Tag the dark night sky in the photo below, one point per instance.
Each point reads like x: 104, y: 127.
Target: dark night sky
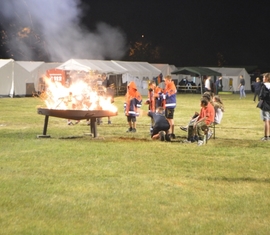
x: 189, y: 32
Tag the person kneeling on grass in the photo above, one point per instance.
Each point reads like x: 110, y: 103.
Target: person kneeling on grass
x: 205, y: 118
x: 161, y: 125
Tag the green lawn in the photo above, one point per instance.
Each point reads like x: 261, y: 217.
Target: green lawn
x: 125, y: 183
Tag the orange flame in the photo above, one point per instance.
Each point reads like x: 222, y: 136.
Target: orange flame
x: 79, y: 96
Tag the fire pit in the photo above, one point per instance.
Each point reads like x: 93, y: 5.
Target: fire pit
x: 75, y: 115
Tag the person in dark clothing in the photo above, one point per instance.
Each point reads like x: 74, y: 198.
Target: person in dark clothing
x: 169, y: 96
x: 161, y: 125
x: 257, y: 88
x: 264, y: 97
x: 217, y: 85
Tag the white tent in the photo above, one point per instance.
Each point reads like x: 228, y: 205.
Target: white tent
x: 139, y: 72
x: 95, y: 65
x: 22, y: 78
x: 143, y: 70
x: 25, y: 74
x: 18, y: 77
x: 81, y: 65
x: 167, y: 69
x: 233, y: 75
x: 108, y: 66
x: 6, y: 78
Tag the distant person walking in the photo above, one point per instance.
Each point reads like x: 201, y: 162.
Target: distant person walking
x: 218, y: 85
x: 207, y: 84
x: 242, y: 87
x: 257, y: 88
x: 265, y: 105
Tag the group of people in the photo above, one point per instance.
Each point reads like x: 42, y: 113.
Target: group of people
x: 211, y: 111
x: 212, y: 87
x: 161, y: 102
x: 262, y: 93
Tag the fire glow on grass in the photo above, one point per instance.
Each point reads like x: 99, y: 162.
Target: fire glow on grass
x: 78, y: 96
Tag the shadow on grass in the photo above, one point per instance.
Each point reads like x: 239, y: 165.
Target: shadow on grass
x: 240, y: 179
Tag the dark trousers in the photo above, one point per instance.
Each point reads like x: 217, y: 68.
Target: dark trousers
x: 256, y: 93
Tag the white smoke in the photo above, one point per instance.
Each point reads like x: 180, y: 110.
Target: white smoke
x: 35, y: 28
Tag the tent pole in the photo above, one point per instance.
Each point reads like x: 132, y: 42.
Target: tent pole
x: 12, y: 90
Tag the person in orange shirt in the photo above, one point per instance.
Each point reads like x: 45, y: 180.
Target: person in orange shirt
x: 169, y: 96
x: 205, y: 118
x: 132, y: 105
x: 153, y: 101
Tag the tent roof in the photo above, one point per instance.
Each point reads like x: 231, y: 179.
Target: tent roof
x: 88, y: 65
x: 196, y: 71
x: 30, y: 65
x: 150, y: 67
x: 161, y: 66
x: 81, y: 65
x: 115, y: 67
x: 108, y: 66
x: 228, y: 71
x: 127, y: 66
x: 3, y: 62
x: 165, y: 68
x: 138, y: 68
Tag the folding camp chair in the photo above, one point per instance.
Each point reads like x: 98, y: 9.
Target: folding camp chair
x: 218, y: 118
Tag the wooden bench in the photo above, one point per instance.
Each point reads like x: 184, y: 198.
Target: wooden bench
x: 121, y: 90
x: 192, y: 89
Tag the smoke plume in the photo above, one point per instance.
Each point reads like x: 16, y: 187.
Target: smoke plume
x: 51, y: 30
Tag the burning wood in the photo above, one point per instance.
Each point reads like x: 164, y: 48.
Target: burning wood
x: 77, y: 99
x: 80, y: 91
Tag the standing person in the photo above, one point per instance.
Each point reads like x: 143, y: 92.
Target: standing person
x: 265, y: 107
x: 257, y: 88
x: 152, y: 101
x: 218, y: 84
x: 131, y: 106
x: 169, y: 95
x: 110, y: 93
x: 207, y: 84
x: 241, y: 87
x: 161, y: 125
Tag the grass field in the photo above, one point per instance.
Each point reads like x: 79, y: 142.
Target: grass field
x: 125, y: 183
